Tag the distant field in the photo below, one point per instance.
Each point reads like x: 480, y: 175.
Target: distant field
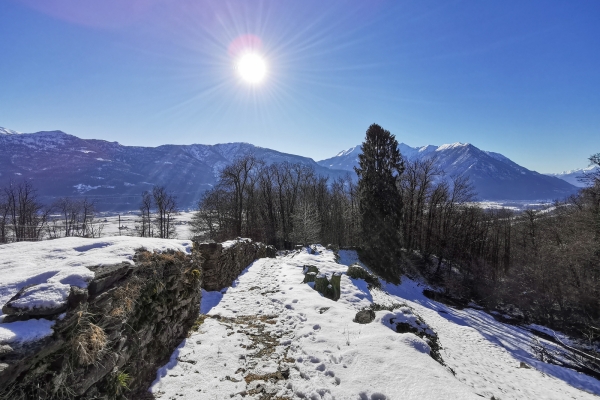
x: 516, y: 205
x: 110, y: 223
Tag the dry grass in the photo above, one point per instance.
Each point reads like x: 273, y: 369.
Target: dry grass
x: 89, y: 344
x: 126, y: 296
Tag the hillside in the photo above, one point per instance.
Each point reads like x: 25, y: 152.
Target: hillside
x: 494, y: 176
x: 271, y: 336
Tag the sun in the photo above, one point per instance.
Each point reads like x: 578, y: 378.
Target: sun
x: 252, y: 68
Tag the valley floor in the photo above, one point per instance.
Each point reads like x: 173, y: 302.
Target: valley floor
x: 270, y: 336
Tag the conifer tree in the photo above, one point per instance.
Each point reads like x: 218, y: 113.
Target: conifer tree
x: 380, y: 202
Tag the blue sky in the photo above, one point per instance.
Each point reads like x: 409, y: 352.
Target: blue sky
x: 521, y: 78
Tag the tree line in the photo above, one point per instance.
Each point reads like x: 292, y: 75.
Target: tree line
x: 24, y: 217
x: 544, y: 264
x: 407, y: 216
x: 281, y: 204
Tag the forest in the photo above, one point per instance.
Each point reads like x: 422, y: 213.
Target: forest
x: 539, y: 266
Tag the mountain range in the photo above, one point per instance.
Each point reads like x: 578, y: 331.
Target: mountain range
x: 494, y: 176
x: 59, y: 164
x: 574, y: 176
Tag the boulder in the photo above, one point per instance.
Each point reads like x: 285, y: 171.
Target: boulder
x: 364, y: 316
x: 310, y: 268
x: 30, y: 302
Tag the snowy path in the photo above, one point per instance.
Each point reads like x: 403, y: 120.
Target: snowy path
x: 270, y: 336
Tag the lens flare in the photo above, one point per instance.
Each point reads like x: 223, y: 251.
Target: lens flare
x: 252, y: 68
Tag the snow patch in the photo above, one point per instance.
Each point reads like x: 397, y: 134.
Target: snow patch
x: 5, y: 131
x: 21, y: 332
x: 451, y: 146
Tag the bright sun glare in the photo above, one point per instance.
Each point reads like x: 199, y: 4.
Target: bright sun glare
x: 252, y: 68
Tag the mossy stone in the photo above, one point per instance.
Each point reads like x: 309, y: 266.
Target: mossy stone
x: 310, y: 277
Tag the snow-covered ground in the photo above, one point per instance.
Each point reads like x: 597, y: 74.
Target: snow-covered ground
x: 272, y: 336
x: 514, y: 205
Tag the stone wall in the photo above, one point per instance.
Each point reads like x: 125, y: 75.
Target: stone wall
x: 112, y: 337
x: 223, y: 262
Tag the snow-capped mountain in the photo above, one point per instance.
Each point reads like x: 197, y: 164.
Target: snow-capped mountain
x: 4, y: 131
x: 495, y: 176
x: 59, y: 164
x: 573, y: 176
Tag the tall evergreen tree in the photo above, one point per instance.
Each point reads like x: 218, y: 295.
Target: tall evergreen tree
x: 380, y: 202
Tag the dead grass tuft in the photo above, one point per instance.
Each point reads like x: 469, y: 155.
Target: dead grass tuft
x: 89, y: 344
x: 126, y: 297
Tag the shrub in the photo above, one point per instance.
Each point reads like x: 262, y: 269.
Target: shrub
x: 355, y: 271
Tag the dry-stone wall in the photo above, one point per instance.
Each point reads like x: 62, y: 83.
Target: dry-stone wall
x: 110, y: 340
x: 223, y: 262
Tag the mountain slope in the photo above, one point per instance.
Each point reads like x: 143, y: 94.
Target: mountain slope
x: 494, y: 176
x: 59, y: 164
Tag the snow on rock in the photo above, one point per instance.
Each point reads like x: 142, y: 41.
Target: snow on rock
x: 46, y: 270
x: 45, y: 295
x: 231, y: 243
x: 25, y: 331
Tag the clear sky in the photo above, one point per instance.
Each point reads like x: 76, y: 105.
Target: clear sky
x: 521, y: 78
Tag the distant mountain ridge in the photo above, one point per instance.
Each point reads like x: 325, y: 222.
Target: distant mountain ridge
x: 59, y: 164
x: 494, y: 176
x: 574, y: 176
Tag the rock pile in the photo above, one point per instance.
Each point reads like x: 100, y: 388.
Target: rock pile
x: 329, y: 288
